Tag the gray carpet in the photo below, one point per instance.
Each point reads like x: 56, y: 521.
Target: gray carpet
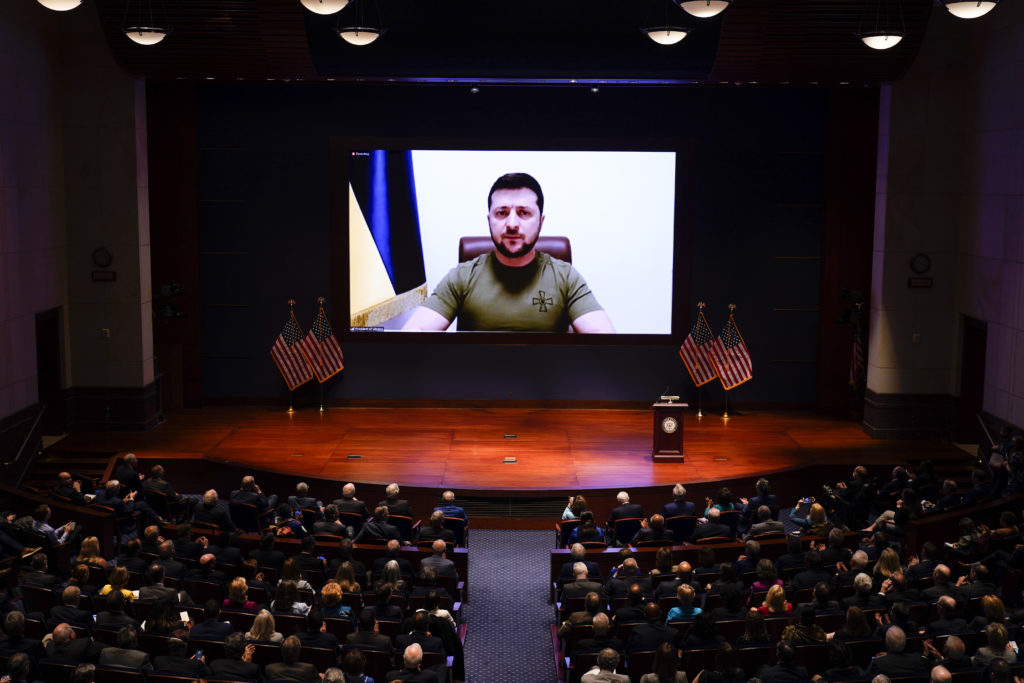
x: 508, y: 617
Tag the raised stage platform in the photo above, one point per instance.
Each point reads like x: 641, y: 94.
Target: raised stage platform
x: 557, y: 450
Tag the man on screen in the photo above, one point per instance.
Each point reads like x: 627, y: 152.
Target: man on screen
x: 514, y: 288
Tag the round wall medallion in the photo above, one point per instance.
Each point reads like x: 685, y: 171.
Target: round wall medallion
x: 920, y: 263
x: 102, y: 257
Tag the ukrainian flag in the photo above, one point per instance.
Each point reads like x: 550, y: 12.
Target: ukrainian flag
x: 386, y: 274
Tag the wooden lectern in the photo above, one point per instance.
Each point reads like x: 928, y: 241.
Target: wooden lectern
x: 667, y: 445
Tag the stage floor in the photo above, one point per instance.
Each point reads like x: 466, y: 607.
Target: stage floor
x: 464, y: 448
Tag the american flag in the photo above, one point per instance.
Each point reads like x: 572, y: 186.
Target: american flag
x: 285, y: 352
x: 321, y: 348
x: 731, y: 357
x: 695, y: 354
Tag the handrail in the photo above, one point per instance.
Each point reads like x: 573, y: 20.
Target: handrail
x: 32, y: 436
x: 984, y: 428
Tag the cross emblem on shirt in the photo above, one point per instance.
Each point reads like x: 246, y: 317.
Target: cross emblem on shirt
x: 543, y: 300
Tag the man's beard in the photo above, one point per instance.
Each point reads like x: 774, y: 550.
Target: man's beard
x: 523, y: 250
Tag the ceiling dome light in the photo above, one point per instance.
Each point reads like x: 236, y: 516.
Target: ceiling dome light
x: 324, y: 7
x: 881, y: 40
x: 666, y: 35
x: 704, y: 8
x: 360, y: 35
x: 145, y: 35
x: 966, y: 9
x: 60, y: 5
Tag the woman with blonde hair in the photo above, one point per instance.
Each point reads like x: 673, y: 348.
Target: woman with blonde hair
x: 118, y: 580
x: 992, y: 612
x: 815, y: 523
x: 346, y: 578
x: 330, y: 601
x: 775, y: 602
x: 663, y: 562
x: 89, y: 553
x: 887, y: 565
x: 238, y: 597
x: 263, y: 628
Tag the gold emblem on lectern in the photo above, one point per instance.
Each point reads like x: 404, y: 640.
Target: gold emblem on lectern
x: 669, y: 425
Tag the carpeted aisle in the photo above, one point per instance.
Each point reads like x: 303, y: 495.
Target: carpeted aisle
x: 508, y: 616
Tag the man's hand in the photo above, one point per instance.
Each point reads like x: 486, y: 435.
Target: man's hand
x: 744, y: 500
x: 821, y: 547
x: 644, y: 524
x: 77, y: 486
x: 914, y: 559
x: 963, y: 580
x: 250, y: 650
x: 887, y: 585
x: 841, y: 485
x: 841, y: 567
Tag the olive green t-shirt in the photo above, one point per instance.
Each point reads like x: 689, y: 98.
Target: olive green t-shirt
x: 545, y: 295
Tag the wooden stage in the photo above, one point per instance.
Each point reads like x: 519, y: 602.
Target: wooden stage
x: 556, y: 449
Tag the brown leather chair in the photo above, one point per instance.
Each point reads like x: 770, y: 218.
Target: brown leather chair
x: 554, y: 245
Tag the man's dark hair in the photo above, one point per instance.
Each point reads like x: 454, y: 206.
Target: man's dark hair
x: 785, y: 652
x: 331, y: 513
x: 366, y: 619
x: 998, y: 671
x: 211, y: 610
x: 421, y: 622
x: 635, y: 594
x: 18, y: 666
x: 314, y: 620
x: 353, y: 662
x: 14, y: 624
x: 608, y: 659
x: 156, y: 573
x: 652, y: 612
x: 514, y: 181
x: 115, y: 601
x: 185, y: 532
x: 307, y: 544
x: 290, y: 649
x: 267, y: 541
x: 127, y: 638
x: 793, y: 545
x: 131, y: 548
x: 812, y: 559
x: 234, y: 645
x: 807, y: 614
x: 177, y: 646
x: 39, y: 562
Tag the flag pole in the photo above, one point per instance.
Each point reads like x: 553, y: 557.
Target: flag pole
x: 291, y: 392
x: 700, y: 402
x: 725, y: 414
x: 322, y: 409
x: 320, y: 300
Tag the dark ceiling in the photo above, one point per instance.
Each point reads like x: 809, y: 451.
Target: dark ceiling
x: 519, y: 41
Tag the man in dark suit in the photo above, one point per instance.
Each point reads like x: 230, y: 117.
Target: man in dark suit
x: 70, y: 489
x: 714, y: 527
x: 207, y: 570
x: 345, y: 555
x: 600, y: 640
x: 392, y: 551
x: 624, y: 510
x: 210, y: 512
x: 211, y: 628
x: 156, y: 590
x: 981, y: 489
x: 396, y: 505
x: 977, y: 583
x: 942, y: 585
x: 413, y: 660
x: 127, y: 652
x: 177, y: 661
x: 435, y: 529
x: 157, y: 482
x: 922, y: 567
x: 836, y: 551
x: 580, y: 585
x: 793, y: 557
x: 265, y: 555
x: 68, y: 610
x: 895, y: 589
x: 653, y: 530
x: 129, y: 557
x: 949, y: 498
x: 765, y: 497
x: 113, y: 617
x: 437, y: 560
x: 378, y: 527
x: 249, y: 492
x: 290, y: 668
x: 66, y: 647
x: 679, y: 505
x: 652, y: 634
x: 628, y: 573
x: 784, y: 669
x: 165, y: 558
x: 349, y: 503
x: 948, y: 621
x: 864, y: 595
x: 592, y: 604
x: 110, y: 496
x: 223, y: 551
x: 307, y: 557
x: 315, y: 636
x: 15, y: 641
x: 418, y: 634
x: 40, y: 575
x: 127, y: 472
x: 330, y: 524
x: 684, y: 574
x: 578, y: 554
x: 846, y: 573
x: 764, y: 524
x: 187, y: 547
x: 632, y: 611
x: 237, y: 660
x: 366, y: 637
x: 302, y: 500
x: 896, y: 661
x: 813, y: 573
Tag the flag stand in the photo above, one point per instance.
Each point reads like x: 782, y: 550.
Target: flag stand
x: 322, y: 409
x: 291, y: 408
x: 725, y: 415
x: 700, y: 402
